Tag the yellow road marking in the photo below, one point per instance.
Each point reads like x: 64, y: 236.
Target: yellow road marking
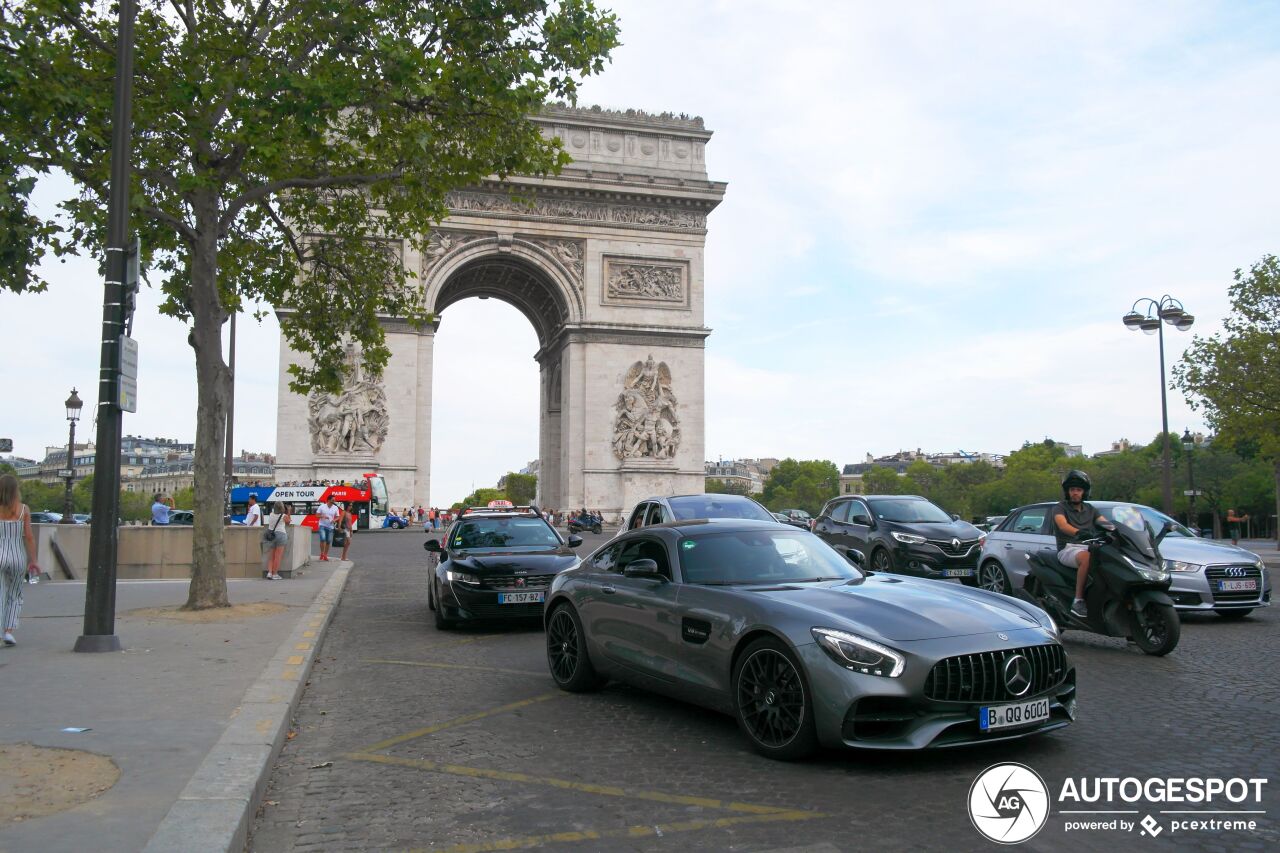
x: 308, y: 634
x: 289, y: 675
x: 302, y: 647
x: 584, y: 787
x: 456, y: 721
x: 294, y: 660
x: 642, y: 831
x: 433, y: 665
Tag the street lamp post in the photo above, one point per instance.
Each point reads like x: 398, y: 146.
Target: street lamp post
x: 1166, y: 309
x: 73, y: 404
x: 1189, y: 444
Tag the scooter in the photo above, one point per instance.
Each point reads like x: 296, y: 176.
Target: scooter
x: 577, y: 524
x: 1127, y: 593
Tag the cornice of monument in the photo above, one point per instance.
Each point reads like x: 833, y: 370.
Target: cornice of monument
x: 600, y: 116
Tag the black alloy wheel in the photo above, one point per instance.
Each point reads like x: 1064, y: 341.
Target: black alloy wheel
x: 992, y: 577
x: 442, y: 622
x: 567, y: 653
x: 1158, y: 631
x: 881, y: 561
x: 771, y: 701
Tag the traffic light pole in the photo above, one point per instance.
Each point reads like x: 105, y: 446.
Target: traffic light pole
x: 104, y: 537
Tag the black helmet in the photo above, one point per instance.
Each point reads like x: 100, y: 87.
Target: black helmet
x: 1076, y: 478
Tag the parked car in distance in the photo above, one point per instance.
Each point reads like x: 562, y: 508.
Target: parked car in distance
x: 800, y: 516
x: 397, y: 522
x: 182, y: 516
x: 660, y: 510
x: 771, y: 625
x: 906, y: 534
x: 794, y: 522
x: 46, y: 517
x: 1208, y: 575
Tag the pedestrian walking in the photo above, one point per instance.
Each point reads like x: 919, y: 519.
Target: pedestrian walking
x: 253, y: 516
x: 277, y: 526
x: 346, y: 528
x: 327, y: 514
x: 17, y: 554
x: 1233, y: 525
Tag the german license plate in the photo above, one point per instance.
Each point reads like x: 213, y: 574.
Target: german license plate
x: 520, y: 597
x: 957, y: 573
x: 1249, y: 585
x: 1019, y: 714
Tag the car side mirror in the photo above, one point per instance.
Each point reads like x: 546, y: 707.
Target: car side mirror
x: 955, y: 516
x: 862, y: 519
x: 574, y: 541
x: 1165, y: 531
x: 643, y: 569
x: 855, y: 556
x: 432, y: 545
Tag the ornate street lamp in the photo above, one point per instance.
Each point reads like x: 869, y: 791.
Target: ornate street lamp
x: 1189, y: 444
x: 1150, y: 321
x: 73, y: 404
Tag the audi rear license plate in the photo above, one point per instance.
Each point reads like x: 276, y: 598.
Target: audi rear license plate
x: 992, y: 717
x: 520, y: 597
x: 1249, y: 585
x: 957, y: 573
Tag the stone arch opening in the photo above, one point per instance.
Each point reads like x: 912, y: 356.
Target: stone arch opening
x: 513, y: 279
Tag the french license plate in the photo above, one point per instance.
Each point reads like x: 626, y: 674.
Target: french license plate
x: 520, y: 597
x: 1250, y: 585
x: 957, y: 573
x: 1019, y: 714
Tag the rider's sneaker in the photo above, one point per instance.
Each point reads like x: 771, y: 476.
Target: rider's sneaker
x: 1078, y: 609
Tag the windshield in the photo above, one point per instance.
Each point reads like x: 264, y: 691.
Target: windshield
x: 717, y: 506
x: 1138, y: 517
x: 908, y: 511
x: 761, y: 556
x: 505, y: 533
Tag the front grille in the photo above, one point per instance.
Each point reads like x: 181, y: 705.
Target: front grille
x: 1233, y: 573
x: 980, y: 677
x: 517, y: 582
x: 494, y: 610
x: 945, y: 546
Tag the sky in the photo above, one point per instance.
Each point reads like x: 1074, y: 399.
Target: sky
x: 936, y: 216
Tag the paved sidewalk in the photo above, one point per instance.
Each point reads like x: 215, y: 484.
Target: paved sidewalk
x: 1264, y: 548
x: 192, y: 713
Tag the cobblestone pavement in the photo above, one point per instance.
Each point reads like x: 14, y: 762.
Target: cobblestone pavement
x: 410, y: 738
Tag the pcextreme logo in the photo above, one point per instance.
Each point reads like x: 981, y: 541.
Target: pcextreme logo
x: 1008, y: 803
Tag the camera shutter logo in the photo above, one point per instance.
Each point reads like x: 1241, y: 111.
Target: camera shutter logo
x: 1008, y: 803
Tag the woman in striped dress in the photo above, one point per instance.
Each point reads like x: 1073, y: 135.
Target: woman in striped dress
x: 17, y: 553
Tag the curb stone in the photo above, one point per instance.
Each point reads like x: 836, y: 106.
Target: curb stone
x: 216, y: 808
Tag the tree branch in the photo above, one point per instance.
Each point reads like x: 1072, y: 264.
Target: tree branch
x: 185, y: 13
x: 267, y: 190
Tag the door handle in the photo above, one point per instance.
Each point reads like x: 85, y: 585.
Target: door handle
x: 1008, y: 545
x: 607, y: 589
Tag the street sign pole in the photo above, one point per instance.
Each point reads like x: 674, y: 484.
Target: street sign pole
x: 104, y: 536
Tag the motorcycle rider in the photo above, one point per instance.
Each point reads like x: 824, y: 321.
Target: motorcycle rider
x: 1073, y: 516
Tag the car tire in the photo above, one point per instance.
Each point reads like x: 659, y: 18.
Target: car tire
x: 431, y: 599
x: 567, y: 656
x: 442, y: 622
x: 881, y: 561
x: 993, y: 578
x: 772, y: 702
x: 1234, y: 614
x: 1162, y: 632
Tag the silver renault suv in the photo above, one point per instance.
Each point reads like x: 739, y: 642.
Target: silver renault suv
x: 1207, y: 575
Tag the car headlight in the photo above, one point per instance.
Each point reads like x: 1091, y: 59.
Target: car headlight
x: 908, y: 538
x: 461, y: 577
x: 1153, y: 574
x: 1181, y: 566
x: 859, y: 653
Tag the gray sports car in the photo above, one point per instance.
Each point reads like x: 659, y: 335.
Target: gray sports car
x: 770, y: 624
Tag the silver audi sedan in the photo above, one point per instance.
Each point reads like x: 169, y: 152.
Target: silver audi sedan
x: 804, y: 648
x: 1207, y: 575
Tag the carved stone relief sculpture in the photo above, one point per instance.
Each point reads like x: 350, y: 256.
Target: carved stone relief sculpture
x: 570, y: 253
x: 648, y: 282
x: 669, y: 217
x: 352, y: 422
x: 441, y: 243
x: 646, y: 426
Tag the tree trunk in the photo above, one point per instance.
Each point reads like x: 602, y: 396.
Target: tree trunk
x: 1277, y: 530
x: 213, y: 392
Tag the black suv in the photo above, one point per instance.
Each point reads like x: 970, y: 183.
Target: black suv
x: 903, y: 533
x: 495, y: 564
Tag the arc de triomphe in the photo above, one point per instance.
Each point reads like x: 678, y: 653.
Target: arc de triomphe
x: 606, y: 262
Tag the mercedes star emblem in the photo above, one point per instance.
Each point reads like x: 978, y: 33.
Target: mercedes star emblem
x: 1017, y: 675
